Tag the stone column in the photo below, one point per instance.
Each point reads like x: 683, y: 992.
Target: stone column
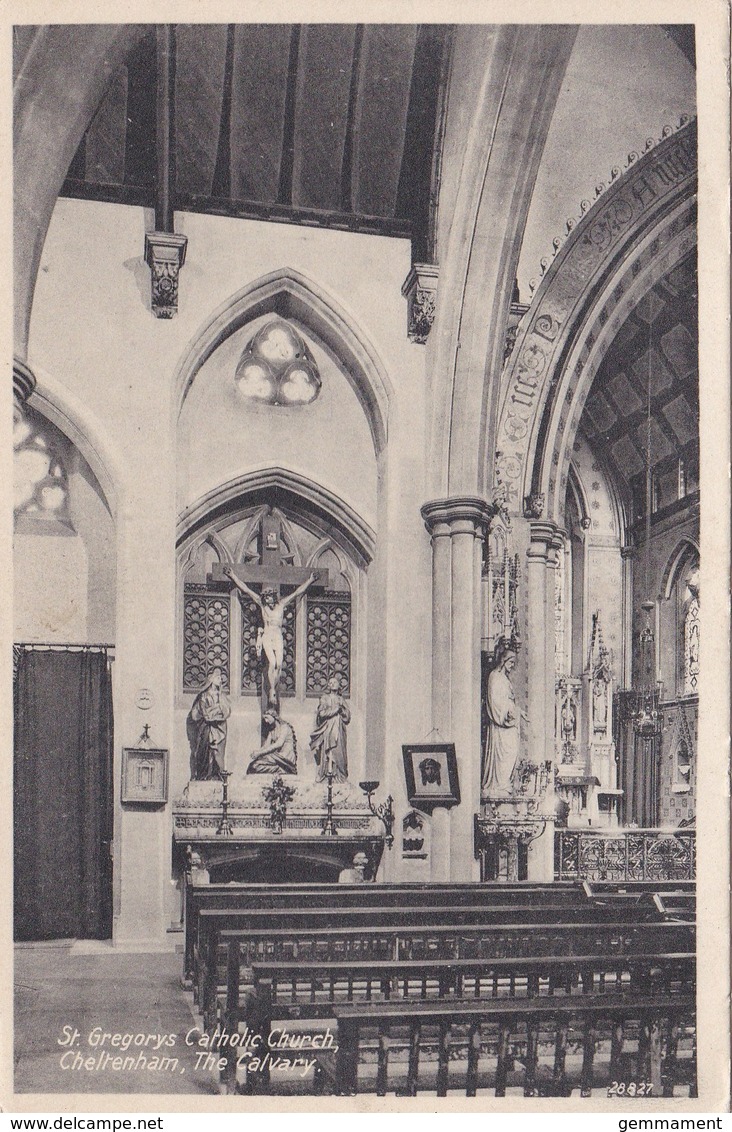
x: 625, y: 676
x: 540, y: 678
x: 457, y: 527
x: 441, y: 624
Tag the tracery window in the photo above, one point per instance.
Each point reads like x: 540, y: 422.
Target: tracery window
x: 41, y: 487
x: 328, y: 642
x: 220, y: 626
x: 206, y: 636
x: 277, y: 367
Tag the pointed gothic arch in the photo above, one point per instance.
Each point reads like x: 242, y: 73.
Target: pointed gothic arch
x: 83, y: 428
x: 636, y: 232
x: 308, y: 495
x: 291, y: 294
x: 685, y: 550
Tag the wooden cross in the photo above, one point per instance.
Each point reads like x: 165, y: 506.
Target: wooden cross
x: 272, y: 570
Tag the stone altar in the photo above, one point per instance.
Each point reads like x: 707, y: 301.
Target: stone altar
x: 301, y: 852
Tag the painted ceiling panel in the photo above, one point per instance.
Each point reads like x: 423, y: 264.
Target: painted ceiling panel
x: 660, y: 445
x: 322, y: 104
x: 199, y: 90
x: 625, y: 455
x: 599, y: 411
x: 649, y: 308
x: 258, y: 87
x: 661, y: 377
x: 682, y: 419
x: 619, y: 426
x: 624, y: 395
x: 388, y: 54
x: 680, y: 350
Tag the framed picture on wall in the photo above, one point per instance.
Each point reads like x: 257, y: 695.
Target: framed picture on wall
x: 145, y: 775
x: 431, y: 774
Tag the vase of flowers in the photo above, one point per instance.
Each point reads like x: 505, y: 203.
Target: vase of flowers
x: 278, y: 795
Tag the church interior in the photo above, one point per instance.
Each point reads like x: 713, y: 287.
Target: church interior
x: 356, y: 548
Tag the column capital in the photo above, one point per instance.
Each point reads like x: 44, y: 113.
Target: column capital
x: 24, y: 382
x: 469, y: 509
x: 546, y: 533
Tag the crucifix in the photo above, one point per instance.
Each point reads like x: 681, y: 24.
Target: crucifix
x: 272, y: 571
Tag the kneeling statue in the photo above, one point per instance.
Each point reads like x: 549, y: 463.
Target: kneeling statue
x: 278, y: 754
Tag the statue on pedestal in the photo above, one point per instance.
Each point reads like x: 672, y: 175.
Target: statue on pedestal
x: 278, y: 754
x: 206, y: 728
x: 328, y: 740
x: 502, y: 743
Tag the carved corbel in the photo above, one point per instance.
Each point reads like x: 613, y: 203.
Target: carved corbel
x: 534, y: 505
x: 420, y: 291
x: 165, y: 253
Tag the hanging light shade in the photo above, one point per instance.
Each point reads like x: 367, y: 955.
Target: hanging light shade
x: 277, y: 367
x: 646, y: 712
x: 647, y: 715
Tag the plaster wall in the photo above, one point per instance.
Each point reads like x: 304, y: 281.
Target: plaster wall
x: 623, y: 85
x: 222, y: 434
x: 50, y: 582
x: 92, y: 329
x: 64, y: 579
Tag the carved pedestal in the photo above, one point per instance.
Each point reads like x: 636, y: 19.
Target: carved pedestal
x: 504, y: 830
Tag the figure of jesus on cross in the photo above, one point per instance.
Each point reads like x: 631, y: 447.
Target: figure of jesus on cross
x: 274, y: 569
x: 269, y: 636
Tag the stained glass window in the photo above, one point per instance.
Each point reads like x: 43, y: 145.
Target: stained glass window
x: 277, y: 367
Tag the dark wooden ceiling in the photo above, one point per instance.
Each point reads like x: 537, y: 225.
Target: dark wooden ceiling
x: 329, y: 124
x: 658, y: 343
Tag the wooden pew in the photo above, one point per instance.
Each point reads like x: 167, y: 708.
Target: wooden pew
x: 226, y: 914
x: 676, y: 906
x: 261, y: 896
x: 301, y: 927
x: 428, y: 941
x: 672, y: 899
x: 499, y: 1023
x: 640, y: 886
x: 285, y: 992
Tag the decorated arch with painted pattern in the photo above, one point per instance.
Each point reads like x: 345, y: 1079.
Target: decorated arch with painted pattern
x: 636, y: 232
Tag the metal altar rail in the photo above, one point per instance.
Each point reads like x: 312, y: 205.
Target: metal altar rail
x: 625, y: 855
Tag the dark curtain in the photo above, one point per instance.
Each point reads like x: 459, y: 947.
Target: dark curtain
x: 63, y: 795
x: 638, y: 764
